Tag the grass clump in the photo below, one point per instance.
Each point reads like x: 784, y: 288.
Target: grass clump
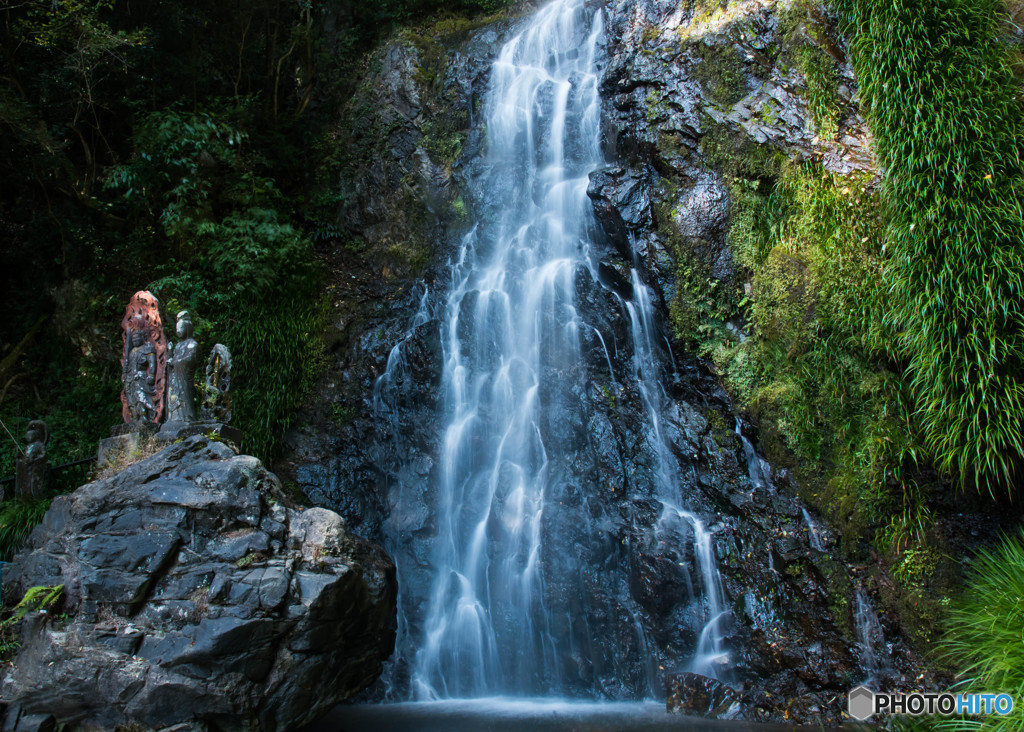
x: 18, y: 516
x: 953, y: 186
x: 985, y: 636
x: 278, y: 346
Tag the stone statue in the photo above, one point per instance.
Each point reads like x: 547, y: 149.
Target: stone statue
x: 217, y: 399
x: 139, y: 378
x: 181, y: 367
x: 33, y: 469
x: 143, y: 363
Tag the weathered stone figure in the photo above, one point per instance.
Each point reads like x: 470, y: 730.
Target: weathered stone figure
x: 33, y: 470
x: 143, y: 363
x: 140, y: 378
x: 217, y: 399
x: 181, y: 367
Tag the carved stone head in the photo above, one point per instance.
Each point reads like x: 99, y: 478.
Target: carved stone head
x: 37, y: 431
x: 184, y: 327
x: 36, y: 435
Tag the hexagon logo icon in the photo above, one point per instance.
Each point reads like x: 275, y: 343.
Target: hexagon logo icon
x: 862, y: 703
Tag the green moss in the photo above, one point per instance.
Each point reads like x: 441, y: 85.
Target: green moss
x: 432, y: 60
x: 815, y: 371
x: 700, y: 303
x: 443, y: 137
x: 704, y: 8
x: 805, y: 38
x: 821, y: 78
x: 650, y: 34
x: 342, y: 414
x: 719, y: 72
x: 453, y: 27
x: 653, y: 106
x: 735, y: 155
x: 407, y: 258
x: 839, y: 590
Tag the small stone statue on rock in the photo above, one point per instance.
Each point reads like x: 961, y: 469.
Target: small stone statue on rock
x: 217, y: 397
x: 143, y: 362
x: 181, y: 367
x: 33, y: 470
x: 139, y: 378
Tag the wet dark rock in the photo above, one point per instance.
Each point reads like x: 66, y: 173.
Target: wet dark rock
x: 689, y: 693
x: 622, y: 205
x: 195, y: 594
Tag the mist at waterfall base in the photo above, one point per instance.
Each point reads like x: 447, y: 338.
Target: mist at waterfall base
x: 504, y: 714
x: 542, y: 558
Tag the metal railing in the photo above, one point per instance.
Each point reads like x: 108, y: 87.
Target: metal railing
x: 55, y: 469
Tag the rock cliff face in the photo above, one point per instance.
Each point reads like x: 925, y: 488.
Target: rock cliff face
x: 682, y: 85
x: 370, y: 443
x: 194, y: 595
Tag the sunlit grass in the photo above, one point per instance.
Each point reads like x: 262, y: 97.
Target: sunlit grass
x: 986, y: 635
x: 940, y: 96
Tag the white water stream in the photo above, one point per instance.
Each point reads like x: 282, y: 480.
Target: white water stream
x: 510, y: 336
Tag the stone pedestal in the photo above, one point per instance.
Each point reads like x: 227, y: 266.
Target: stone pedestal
x: 124, y: 440
x: 32, y: 478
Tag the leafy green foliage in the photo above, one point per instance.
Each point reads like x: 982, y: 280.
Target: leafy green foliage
x: 735, y: 155
x: 816, y: 371
x: 35, y: 600
x: 18, y: 516
x: 819, y: 71
x: 245, y: 268
x: 953, y: 187
x: 984, y: 636
x: 83, y: 404
x: 278, y: 351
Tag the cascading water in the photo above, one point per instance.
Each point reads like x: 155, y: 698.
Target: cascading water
x: 813, y: 532
x: 710, y: 656
x: 531, y: 587
x: 870, y: 638
x: 510, y: 324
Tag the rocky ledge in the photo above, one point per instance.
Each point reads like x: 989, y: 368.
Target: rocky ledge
x: 194, y: 595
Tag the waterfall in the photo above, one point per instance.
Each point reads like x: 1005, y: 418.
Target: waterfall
x: 508, y: 610
x: 509, y: 325
x: 870, y: 639
x: 813, y: 532
x: 710, y: 656
x: 757, y: 467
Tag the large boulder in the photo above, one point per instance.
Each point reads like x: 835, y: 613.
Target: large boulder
x: 194, y: 595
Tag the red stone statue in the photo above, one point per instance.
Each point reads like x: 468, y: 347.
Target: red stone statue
x: 143, y: 361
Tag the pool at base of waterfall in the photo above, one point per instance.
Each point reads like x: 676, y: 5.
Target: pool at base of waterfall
x: 512, y: 714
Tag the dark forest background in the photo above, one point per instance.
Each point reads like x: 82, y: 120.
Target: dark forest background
x: 184, y: 147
